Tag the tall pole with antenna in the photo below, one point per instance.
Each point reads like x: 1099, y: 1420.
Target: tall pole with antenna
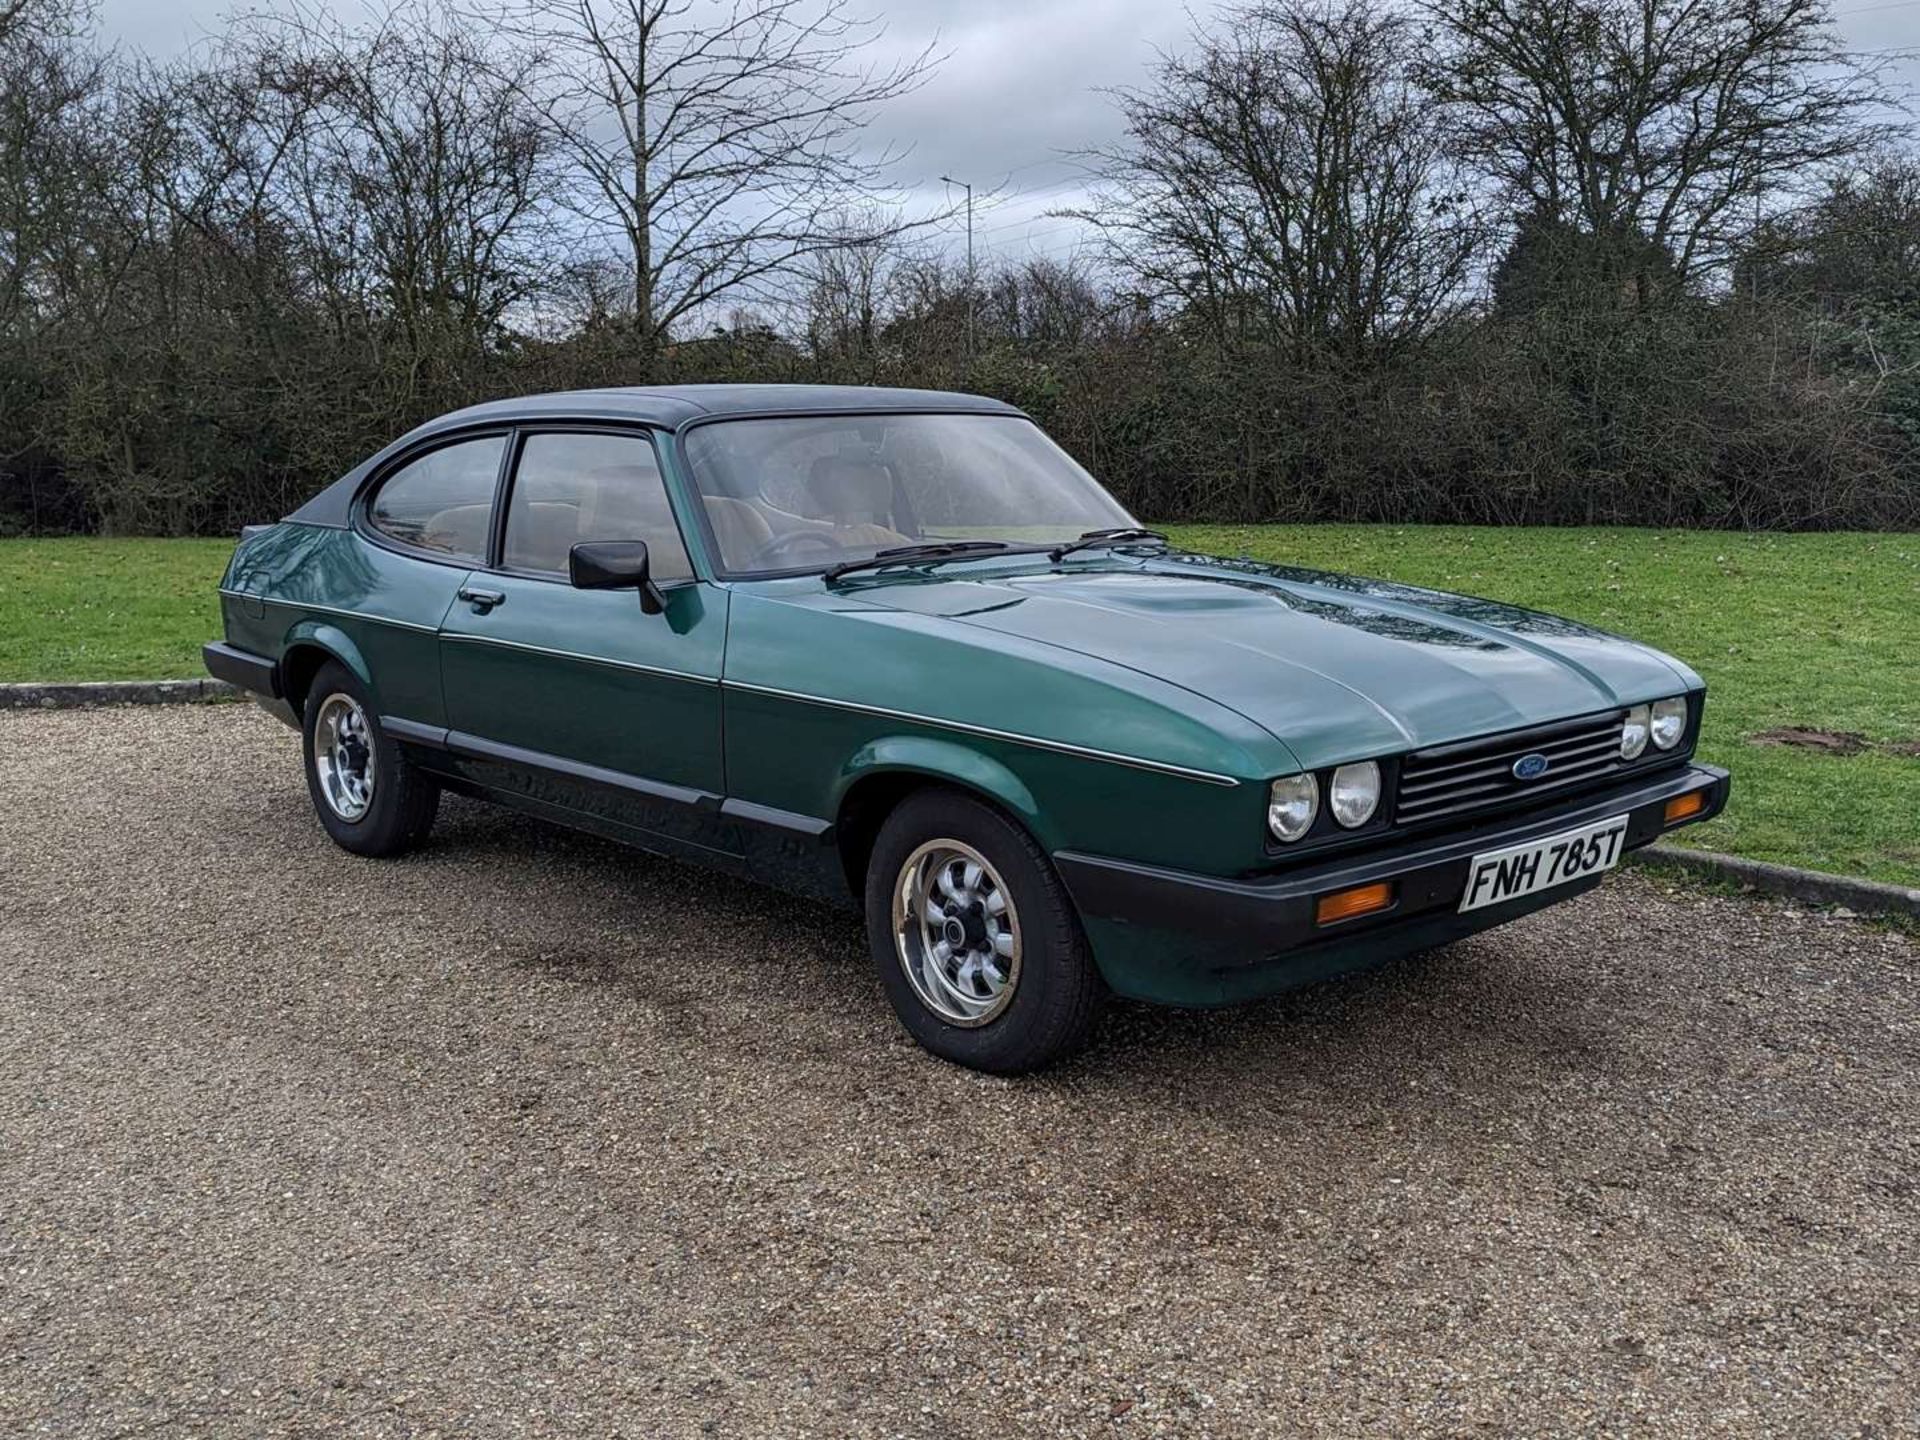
x: 970, y: 285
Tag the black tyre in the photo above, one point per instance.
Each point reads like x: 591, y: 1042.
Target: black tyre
x: 976, y: 942
x: 369, y: 796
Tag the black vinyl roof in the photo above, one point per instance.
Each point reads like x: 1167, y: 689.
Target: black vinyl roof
x: 672, y: 405
x: 667, y: 406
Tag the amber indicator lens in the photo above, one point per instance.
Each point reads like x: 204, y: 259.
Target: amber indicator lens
x: 1685, y: 807
x: 1361, y: 900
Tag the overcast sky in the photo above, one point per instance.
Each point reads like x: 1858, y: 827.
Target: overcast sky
x: 1018, y: 95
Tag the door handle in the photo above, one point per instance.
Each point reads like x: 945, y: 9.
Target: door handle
x: 482, y: 600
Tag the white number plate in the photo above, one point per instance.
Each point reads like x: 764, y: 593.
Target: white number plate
x: 1541, y: 864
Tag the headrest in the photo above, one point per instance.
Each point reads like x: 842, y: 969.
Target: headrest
x: 623, y: 498
x: 461, y: 529
x: 844, y: 486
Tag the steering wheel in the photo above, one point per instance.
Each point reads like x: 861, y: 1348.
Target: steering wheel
x: 768, y: 556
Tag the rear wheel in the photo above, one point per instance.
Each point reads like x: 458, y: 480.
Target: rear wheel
x: 369, y: 796
x: 975, y: 940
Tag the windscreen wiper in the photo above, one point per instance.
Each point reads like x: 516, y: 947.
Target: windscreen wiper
x: 933, y: 550
x: 1120, y: 535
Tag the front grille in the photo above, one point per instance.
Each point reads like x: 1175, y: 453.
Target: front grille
x: 1472, y: 775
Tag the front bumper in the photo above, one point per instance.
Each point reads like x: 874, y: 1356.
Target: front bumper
x: 1179, y: 938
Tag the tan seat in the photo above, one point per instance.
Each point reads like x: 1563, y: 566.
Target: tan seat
x: 541, y: 534
x: 627, y: 502
x: 459, y: 530
x: 741, y: 530
x: 868, y: 537
x: 857, y: 496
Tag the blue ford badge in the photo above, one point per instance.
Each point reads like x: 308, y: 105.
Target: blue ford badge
x: 1531, y: 767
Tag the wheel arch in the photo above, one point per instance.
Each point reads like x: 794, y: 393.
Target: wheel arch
x: 884, y: 772
x: 311, y: 644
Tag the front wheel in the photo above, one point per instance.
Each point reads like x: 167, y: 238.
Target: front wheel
x: 369, y: 796
x: 977, y: 945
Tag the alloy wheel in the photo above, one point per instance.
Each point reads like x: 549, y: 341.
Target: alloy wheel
x: 957, y: 932
x: 343, y: 756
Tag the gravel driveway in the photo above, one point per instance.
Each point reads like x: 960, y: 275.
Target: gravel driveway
x: 530, y: 1134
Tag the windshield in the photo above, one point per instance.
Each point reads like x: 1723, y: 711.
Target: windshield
x: 819, y: 490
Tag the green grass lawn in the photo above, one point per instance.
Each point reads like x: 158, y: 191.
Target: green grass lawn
x: 108, y: 609
x: 1810, y: 630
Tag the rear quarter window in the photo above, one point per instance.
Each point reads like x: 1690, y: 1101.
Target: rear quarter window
x: 443, y: 501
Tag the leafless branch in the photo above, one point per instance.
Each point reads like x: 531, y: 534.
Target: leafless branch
x: 1283, y: 180
x: 718, y: 146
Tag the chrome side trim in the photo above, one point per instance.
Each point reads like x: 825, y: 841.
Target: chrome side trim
x: 612, y: 664
x: 806, y: 827
x: 415, y: 732
x: 1061, y: 747
x: 261, y: 599
x: 633, y: 665
x: 477, y: 747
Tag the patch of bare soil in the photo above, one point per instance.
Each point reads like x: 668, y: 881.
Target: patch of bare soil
x: 1806, y: 737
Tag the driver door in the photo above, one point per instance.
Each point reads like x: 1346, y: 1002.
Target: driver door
x: 576, y: 698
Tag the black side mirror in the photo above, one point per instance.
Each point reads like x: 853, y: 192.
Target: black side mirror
x: 615, y: 565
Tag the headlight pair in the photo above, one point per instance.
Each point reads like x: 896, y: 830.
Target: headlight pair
x: 1353, y: 794
x: 1662, y: 723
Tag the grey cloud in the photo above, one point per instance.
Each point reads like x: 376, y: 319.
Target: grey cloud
x: 1018, y: 94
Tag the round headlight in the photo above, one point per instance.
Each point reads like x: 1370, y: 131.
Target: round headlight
x: 1291, y: 805
x: 1633, y: 735
x: 1354, y: 793
x: 1669, y: 722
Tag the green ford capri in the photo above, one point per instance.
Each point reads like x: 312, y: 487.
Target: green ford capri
x: 896, y: 650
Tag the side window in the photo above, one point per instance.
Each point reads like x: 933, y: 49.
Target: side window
x: 442, y: 501
x: 573, y: 488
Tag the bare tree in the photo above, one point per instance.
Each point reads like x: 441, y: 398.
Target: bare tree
x: 57, y: 219
x: 716, y: 145
x: 1284, y: 181
x: 1857, y: 245
x: 846, y: 308
x: 930, y: 299
x: 44, y: 19
x: 54, y: 92
x: 1049, y: 305
x: 1673, y: 122
x: 422, y: 148
x: 306, y: 234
